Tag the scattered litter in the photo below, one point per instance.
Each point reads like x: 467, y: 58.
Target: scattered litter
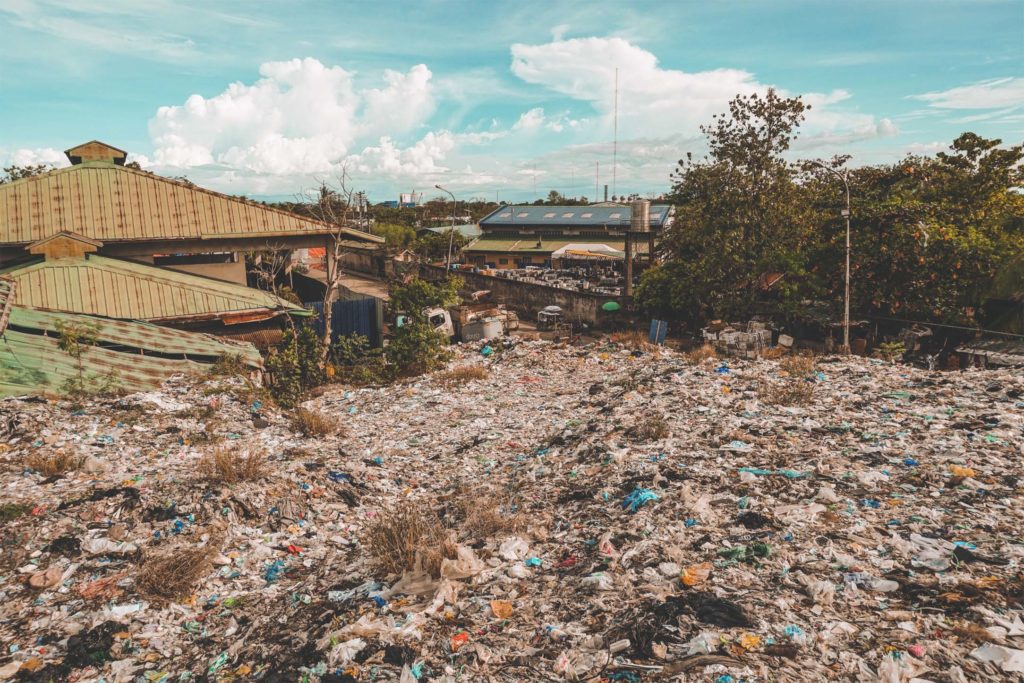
x: 870, y: 534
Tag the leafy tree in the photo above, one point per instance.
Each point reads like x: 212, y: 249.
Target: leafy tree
x: 933, y: 237
x: 395, y: 236
x: 75, y: 339
x: 741, y: 218
x: 416, y: 347
x: 411, y: 298
x: 296, y: 365
x: 433, y: 246
x: 18, y: 172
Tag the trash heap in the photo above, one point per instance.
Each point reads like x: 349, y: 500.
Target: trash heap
x: 595, y: 513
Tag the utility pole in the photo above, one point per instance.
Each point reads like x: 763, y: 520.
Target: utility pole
x: 451, y: 233
x: 845, y: 178
x: 615, y: 139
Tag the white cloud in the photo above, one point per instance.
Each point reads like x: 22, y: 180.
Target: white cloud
x: 421, y: 159
x: 654, y: 101
x: 299, y: 117
x: 995, y: 93
x: 405, y: 103
x: 31, y: 157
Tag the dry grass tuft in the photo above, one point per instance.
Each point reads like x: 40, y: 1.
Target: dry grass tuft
x: 52, y: 464
x: 315, y: 423
x: 653, y: 428
x: 484, y: 513
x: 791, y: 392
x: 174, y: 573
x: 462, y: 374
x: 971, y: 632
x: 798, y: 365
x: 400, y: 539
x: 228, y: 467
x: 701, y: 354
x: 632, y: 339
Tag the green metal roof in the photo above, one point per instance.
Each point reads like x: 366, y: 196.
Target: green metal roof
x: 113, y: 203
x: 115, y: 288
x: 582, y: 215
x: 137, y: 356
x: 528, y: 245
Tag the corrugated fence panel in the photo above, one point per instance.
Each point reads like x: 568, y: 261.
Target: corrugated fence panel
x: 348, y: 317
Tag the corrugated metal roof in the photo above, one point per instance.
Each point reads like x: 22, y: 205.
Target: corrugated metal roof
x: 471, y: 230
x: 113, y: 203
x: 123, y: 289
x: 7, y: 289
x: 996, y: 351
x: 576, y: 216
x: 529, y: 245
x: 31, y: 363
x: 145, y: 337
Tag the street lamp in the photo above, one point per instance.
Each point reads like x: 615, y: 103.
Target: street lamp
x: 451, y: 235
x: 845, y: 177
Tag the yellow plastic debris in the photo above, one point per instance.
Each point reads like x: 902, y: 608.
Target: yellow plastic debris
x: 502, y: 609
x: 958, y: 471
x: 695, y: 574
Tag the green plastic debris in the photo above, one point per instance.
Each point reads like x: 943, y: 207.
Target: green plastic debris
x: 746, y: 553
x: 219, y: 661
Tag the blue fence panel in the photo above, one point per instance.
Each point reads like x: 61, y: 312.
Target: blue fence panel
x: 659, y: 328
x: 348, y: 317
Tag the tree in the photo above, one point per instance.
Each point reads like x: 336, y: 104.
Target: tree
x: 932, y: 235
x: 332, y: 205
x: 18, y: 172
x: 741, y: 219
x: 416, y: 347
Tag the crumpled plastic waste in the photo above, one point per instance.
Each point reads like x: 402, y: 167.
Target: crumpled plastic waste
x: 607, y: 512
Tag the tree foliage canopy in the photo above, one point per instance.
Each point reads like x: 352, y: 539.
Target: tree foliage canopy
x: 755, y: 233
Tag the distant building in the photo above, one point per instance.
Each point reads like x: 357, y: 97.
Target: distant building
x: 104, y: 239
x: 521, y: 236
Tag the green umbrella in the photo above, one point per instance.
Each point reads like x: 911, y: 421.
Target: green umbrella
x: 610, y: 306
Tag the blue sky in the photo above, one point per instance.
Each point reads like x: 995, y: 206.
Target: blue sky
x: 490, y: 99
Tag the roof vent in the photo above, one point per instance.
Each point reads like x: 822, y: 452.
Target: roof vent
x: 95, y: 150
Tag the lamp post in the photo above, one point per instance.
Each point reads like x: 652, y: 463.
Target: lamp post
x: 845, y: 178
x: 451, y: 234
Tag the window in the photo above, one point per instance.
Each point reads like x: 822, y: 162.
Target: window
x: 503, y: 261
x: 615, y: 215
x: 522, y: 214
x: 506, y: 214
x: 437, y: 319
x: 586, y: 215
x: 549, y: 215
x: 568, y: 214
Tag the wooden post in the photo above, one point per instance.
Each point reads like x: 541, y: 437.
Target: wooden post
x: 629, y: 264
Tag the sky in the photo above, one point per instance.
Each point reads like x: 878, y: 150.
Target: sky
x: 501, y: 101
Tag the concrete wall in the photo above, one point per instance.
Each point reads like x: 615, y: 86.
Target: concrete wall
x: 526, y: 298
x: 363, y: 261
x: 231, y: 272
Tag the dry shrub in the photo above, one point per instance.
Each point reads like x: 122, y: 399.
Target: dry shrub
x: 228, y: 467
x: 482, y: 514
x: 315, y: 423
x: 400, y: 539
x: 52, y: 464
x: 970, y: 632
x: 798, y: 365
x: 633, y: 339
x: 174, y: 573
x: 786, y: 393
x: 652, y: 428
x: 462, y: 374
x: 700, y: 354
